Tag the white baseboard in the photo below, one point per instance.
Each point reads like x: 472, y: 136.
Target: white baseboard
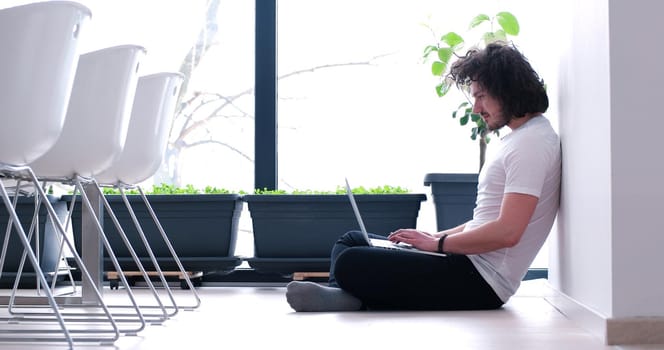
x: 613, y: 331
x: 578, y: 313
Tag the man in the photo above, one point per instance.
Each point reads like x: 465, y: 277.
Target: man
x: 487, y: 257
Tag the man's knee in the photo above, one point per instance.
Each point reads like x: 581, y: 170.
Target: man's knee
x: 358, y: 261
x: 352, y: 239
x: 347, y: 263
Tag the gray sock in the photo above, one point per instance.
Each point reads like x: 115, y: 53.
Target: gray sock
x: 310, y: 296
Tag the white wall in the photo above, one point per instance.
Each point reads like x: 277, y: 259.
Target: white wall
x: 637, y: 91
x: 580, y: 263
x: 604, y: 255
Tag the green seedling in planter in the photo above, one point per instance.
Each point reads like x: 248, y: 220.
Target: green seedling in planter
x: 386, y: 189
x: 170, y: 189
x: 115, y: 191
x: 340, y: 190
x: 451, y: 46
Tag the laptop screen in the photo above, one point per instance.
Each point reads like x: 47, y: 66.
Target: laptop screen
x: 357, y: 212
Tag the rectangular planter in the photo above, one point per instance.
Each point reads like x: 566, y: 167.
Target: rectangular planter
x: 201, y: 227
x: 454, y: 197
x: 296, y: 232
x: 49, y: 246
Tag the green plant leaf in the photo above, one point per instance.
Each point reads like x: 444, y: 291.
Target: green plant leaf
x: 170, y: 189
x: 438, y: 68
x: 215, y: 190
x: 463, y: 107
x: 163, y: 188
x: 473, y: 134
x: 508, y: 22
x: 428, y: 50
x: 386, y: 189
x: 444, y: 54
x: 480, y: 122
x: 110, y: 191
x: 452, y: 39
x: 266, y: 191
x: 464, y: 119
x: 489, y: 37
x: 463, y: 104
x: 443, y: 88
x: 499, y: 35
x: 479, y: 19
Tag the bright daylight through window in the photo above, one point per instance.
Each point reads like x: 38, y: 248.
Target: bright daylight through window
x: 355, y: 98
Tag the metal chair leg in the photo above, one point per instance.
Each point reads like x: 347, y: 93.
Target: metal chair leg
x: 153, y: 259
x: 123, y: 236
x: 33, y: 259
x: 167, y: 241
x: 88, y: 335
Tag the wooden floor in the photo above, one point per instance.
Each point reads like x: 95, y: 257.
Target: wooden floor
x: 258, y: 317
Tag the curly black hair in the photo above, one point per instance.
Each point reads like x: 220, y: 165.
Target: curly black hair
x: 506, y: 75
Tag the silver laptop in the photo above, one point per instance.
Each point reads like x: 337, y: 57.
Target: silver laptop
x: 381, y: 243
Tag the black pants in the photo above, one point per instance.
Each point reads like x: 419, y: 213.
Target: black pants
x: 387, y: 279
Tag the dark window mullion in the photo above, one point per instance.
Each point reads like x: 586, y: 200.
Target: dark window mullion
x: 265, y: 170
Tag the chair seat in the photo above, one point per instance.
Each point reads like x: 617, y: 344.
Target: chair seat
x: 38, y: 56
x: 151, y: 116
x: 97, y: 119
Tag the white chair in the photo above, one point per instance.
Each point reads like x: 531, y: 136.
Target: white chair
x: 37, y: 62
x: 93, y: 135
x: 98, y: 115
x: 147, y: 138
x: 152, y: 114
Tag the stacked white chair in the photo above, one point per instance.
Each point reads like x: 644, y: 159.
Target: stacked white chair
x: 93, y: 136
x: 37, y: 63
x: 38, y: 60
x: 147, y: 138
x: 98, y: 115
x: 152, y: 114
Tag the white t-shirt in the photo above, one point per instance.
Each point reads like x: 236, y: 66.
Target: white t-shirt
x: 529, y: 163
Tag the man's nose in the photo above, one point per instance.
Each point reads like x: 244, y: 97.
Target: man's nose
x: 477, y: 109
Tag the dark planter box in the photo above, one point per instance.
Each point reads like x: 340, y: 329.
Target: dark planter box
x: 201, y: 227
x: 49, y: 243
x: 295, y: 233
x: 454, y: 198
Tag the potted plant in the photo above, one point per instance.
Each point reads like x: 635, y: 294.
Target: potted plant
x: 295, y: 232
x: 454, y: 194
x: 201, y: 225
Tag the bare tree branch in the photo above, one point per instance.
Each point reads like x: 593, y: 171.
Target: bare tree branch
x: 230, y: 99
x: 223, y: 144
x: 369, y: 62
x: 205, y: 40
x: 191, y: 115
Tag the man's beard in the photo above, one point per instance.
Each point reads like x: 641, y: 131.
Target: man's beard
x: 497, y: 122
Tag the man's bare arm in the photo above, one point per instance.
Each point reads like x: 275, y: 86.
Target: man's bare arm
x: 506, y: 231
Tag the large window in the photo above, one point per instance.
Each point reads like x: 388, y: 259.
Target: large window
x: 356, y: 100
x: 212, y: 43
x: 354, y: 97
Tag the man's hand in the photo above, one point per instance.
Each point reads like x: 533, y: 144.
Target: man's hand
x: 418, y: 239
